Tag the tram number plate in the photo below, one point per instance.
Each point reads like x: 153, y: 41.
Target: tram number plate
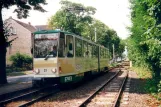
x: 45, y: 70
x: 67, y: 79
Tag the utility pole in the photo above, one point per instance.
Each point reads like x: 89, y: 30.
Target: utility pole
x: 90, y: 36
x: 113, y: 52
x: 108, y: 45
x: 95, y: 35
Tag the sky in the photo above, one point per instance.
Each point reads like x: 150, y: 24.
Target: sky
x: 114, y: 13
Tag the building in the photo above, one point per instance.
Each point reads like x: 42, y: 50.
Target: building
x: 42, y: 27
x: 21, y: 32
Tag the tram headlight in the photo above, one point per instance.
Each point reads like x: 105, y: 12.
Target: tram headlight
x: 60, y: 70
x: 37, y: 71
x: 54, y: 70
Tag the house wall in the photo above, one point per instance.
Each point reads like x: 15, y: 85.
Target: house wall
x: 23, y: 43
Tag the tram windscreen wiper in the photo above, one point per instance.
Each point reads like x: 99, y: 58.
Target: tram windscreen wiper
x: 47, y: 56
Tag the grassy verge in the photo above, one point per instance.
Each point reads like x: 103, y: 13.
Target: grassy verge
x: 113, y: 65
x: 16, y: 74
x: 143, y: 73
x: 19, y: 73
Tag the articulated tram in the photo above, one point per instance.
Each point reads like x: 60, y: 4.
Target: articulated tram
x: 64, y: 57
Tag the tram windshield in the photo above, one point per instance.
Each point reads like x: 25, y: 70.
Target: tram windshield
x: 45, y: 45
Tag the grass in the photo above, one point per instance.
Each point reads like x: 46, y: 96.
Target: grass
x: 19, y: 73
x: 113, y: 64
x: 143, y: 73
x: 14, y: 71
x: 16, y: 74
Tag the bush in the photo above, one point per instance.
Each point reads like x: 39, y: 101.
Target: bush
x: 159, y: 87
x: 21, y: 61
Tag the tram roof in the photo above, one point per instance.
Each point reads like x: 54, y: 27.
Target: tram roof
x: 52, y: 31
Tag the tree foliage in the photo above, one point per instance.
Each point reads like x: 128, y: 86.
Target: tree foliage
x: 8, y: 33
x: 22, y: 10
x: 23, y: 6
x: 73, y: 17
x: 144, y: 44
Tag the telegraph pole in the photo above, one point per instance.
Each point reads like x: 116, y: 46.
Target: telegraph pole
x: 95, y: 35
x: 113, y: 52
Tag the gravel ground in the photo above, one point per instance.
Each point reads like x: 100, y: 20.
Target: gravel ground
x: 14, y: 86
x: 74, y: 97
x: 137, y: 96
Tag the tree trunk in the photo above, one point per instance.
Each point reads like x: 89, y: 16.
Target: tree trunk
x: 3, y: 78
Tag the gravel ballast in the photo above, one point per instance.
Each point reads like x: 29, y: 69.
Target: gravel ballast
x: 137, y: 97
x: 74, y: 97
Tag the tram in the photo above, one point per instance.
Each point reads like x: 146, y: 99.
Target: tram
x: 64, y: 57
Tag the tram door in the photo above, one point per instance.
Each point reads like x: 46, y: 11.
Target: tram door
x: 66, y: 62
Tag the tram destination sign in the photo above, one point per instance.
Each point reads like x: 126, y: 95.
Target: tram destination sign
x: 46, y: 36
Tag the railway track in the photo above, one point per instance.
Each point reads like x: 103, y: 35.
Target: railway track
x: 13, y: 93
x: 31, y: 96
x: 110, y: 90
x: 39, y: 98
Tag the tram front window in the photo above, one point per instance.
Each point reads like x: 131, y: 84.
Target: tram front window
x: 45, y: 45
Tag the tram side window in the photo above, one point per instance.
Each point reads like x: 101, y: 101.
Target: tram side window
x: 104, y: 53
x: 78, y: 49
x: 85, y: 49
x: 69, y: 43
x: 101, y: 52
x: 90, y: 50
x: 95, y: 51
x: 61, y: 50
x: 108, y: 53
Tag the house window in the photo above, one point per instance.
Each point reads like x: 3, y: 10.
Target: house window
x: 13, y: 31
x: 10, y: 49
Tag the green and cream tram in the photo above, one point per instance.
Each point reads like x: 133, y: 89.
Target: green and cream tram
x: 63, y: 57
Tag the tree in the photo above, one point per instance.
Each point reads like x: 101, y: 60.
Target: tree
x: 107, y: 37
x: 72, y: 17
x: 22, y: 10
x: 144, y: 44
